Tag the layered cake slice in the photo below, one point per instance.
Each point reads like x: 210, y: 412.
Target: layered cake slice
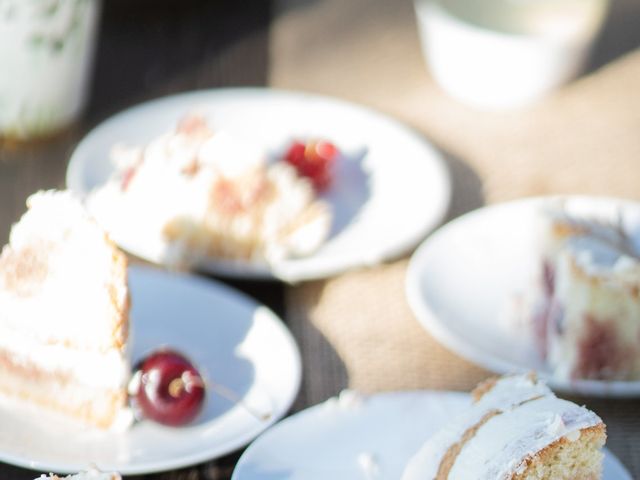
x: 516, y: 429
x: 211, y: 195
x: 587, y: 305
x: 64, y: 313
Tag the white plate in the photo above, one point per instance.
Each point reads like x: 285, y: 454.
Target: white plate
x: 464, y: 281
x: 391, y: 189
x: 327, y: 441
x: 236, y: 343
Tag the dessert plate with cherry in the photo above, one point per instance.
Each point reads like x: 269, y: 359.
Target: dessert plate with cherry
x: 212, y: 369
x: 385, y: 186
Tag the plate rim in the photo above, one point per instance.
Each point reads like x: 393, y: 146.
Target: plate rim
x: 439, y: 207
x: 284, y: 423
x: 202, y: 455
x: 435, y: 326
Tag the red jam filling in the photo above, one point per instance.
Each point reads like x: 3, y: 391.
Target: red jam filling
x: 600, y: 354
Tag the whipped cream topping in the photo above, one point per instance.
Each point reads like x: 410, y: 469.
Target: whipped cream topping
x: 143, y: 196
x: 108, y: 369
x: 172, y: 191
x: 507, y: 393
x: 230, y: 157
x: 526, y: 421
x: 60, y: 264
x: 500, y: 446
x: 599, y: 245
x: 60, y: 296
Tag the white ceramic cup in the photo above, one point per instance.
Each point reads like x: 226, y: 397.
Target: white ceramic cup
x: 497, y: 54
x: 46, y: 54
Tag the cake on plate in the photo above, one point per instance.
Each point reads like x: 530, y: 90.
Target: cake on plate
x: 64, y: 314
x: 516, y: 429
x: 586, y: 307
x: 207, y: 194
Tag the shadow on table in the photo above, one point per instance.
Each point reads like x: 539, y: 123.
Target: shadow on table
x: 349, y: 194
x: 467, y: 191
x: 150, y: 48
x: 324, y: 373
x: 620, y: 34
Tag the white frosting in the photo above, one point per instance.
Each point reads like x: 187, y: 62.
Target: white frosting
x: 230, y: 157
x: 501, y: 445
x: 61, y: 318
x: 601, y: 246
x: 505, y: 394
x: 109, y: 369
x: 157, y: 192
x: 173, y: 179
x: 293, y: 196
x: 77, y: 263
x: 557, y: 425
x: 532, y: 417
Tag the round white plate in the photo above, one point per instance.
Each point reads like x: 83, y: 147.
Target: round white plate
x: 234, y: 341
x: 464, y: 283
x: 390, y: 189
x: 370, y: 441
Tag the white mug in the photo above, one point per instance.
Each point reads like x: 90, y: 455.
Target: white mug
x: 46, y: 56
x: 506, y: 53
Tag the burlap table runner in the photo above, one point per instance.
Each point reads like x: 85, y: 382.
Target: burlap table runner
x: 583, y: 139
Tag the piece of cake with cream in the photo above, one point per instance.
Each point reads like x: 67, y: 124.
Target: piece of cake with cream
x: 516, y: 429
x: 64, y: 314
x: 211, y: 195
x: 586, y: 307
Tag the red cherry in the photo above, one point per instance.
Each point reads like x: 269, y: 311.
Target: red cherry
x: 326, y: 150
x: 313, y: 160
x: 295, y: 154
x: 171, y: 390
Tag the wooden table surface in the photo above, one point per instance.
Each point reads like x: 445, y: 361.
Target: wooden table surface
x: 363, y: 50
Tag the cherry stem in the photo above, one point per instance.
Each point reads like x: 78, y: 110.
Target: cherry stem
x: 233, y: 397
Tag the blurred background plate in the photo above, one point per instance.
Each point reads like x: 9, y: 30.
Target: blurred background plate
x: 465, y: 284
x: 391, y: 189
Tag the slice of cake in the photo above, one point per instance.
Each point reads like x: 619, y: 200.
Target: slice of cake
x: 587, y: 308
x: 516, y: 429
x: 211, y: 195
x: 92, y: 474
x: 64, y: 307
